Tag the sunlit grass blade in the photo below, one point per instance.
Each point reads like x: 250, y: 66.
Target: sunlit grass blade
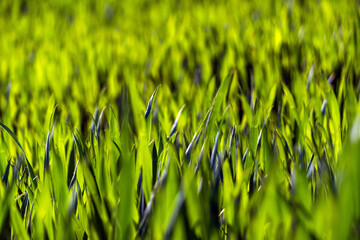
x: 72, y: 203
x: 71, y: 164
x: 258, y: 143
x: 214, y: 152
x: 144, y: 221
x: 285, y: 143
x: 310, y: 167
x: 145, y: 162
x: 179, y: 202
x: 17, y: 224
x: 173, y: 128
x: 200, y: 158
x: 99, y: 123
x: 323, y: 107
x: 222, y: 92
x: 245, y: 155
x: 13, y: 136
x: 310, y: 77
x: 188, y: 150
x: 148, y: 109
x: 197, y: 135
x: 93, y: 123
x: 73, y: 178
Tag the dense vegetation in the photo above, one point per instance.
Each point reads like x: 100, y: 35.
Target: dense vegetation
x: 179, y: 119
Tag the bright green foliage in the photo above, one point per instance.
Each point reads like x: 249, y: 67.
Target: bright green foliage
x: 179, y: 119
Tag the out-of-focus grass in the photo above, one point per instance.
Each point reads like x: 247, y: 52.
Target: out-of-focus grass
x: 266, y: 145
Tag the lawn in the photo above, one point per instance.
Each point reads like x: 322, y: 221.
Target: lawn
x: 179, y: 119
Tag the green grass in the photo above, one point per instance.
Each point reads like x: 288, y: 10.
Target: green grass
x: 179, y: 120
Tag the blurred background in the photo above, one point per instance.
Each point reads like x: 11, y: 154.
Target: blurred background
x: 81, y: 54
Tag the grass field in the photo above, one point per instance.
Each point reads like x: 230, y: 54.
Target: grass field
x: 179, y: 119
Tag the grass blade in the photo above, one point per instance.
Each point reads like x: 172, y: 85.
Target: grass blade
x: 214, y: 152
x: 323, y: 107
x: 173, y: 128
x: 148, y: 109
x: 179, y: 202
x: 13, y: 136
x: 310, y: 77
x: 200, y: 158
x: 47, y: 152
x: 230, y: 155
x: 197, y: 135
